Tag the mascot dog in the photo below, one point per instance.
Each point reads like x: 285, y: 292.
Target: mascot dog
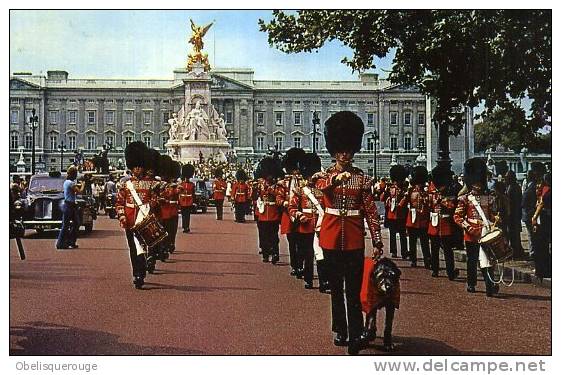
x: 380, y: 289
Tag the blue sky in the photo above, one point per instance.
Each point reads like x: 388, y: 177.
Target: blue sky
x: 151, y: 44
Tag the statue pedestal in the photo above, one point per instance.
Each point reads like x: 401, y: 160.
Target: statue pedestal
x: 188, y: 151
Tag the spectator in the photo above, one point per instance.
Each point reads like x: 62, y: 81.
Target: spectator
x: 528, y: 208
x: 514, y: 195
x: 69, y: 231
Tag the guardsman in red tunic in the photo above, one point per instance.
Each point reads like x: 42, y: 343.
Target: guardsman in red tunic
x: 291, y: 164
x: 240, y: 195
x: 541, y: 221
x: 127, y: 209
x: 306, y: 208
x: 169, y: 204
x: 268, y: 207
x: 348, y: 201
x: 442, y: 203
x: 417, y: 222
x: 395, y: 214
x: 218, y: 193
x: 153, y: 165
x: 467, y: 216
x: 186, y: 196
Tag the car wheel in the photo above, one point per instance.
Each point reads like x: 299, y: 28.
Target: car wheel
x: 88, y: 227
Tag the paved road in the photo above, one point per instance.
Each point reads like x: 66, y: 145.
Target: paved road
x: 215, y: 296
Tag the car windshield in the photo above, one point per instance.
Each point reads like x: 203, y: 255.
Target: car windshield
x: 46, y: 184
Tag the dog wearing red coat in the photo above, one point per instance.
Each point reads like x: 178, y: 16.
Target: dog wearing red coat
x: 380, y: 290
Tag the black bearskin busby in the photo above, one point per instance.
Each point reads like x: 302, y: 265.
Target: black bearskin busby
x: 187, y: 171
x: 268, y: 167
x: 135, y: 154
x: 538, y: 168
x: 419, y: 175
x: 241, y: 175
x: 475, y: 170
x: 152, y: 161
x: 441, y: 176
x: 176, y: 170
x: 343, y: 132
x: 501, y: 167
x: 398, y: 173
x: 218, y: 173
x: 165, y: 166
x: 292, y: 160
x: 311, y: 164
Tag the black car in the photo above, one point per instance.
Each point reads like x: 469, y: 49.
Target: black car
x: 42, y: 207
x: 202, y: 196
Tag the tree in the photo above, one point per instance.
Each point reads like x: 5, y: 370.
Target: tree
x: 459, y: 58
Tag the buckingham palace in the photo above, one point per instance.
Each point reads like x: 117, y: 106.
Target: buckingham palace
x: 87, y: 114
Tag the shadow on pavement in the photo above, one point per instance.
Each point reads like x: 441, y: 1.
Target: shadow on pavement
x: 192, y: 288
x: 39, y: 338
x: 202, y: 273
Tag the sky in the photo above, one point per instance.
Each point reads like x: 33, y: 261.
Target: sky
x: 151, y: 44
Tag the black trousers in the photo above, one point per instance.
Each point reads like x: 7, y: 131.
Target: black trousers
x: 270, y: 238
x: 397, y: 227
x: 260, y: 234
x: 542, y: 257
x: 219, y: 209
x: 436, y: 242
x: 186, y: 217
x: 472, y: 250
x: 323, y: 270
x: 422, y: 235
x: 170, y: 225
x: 345, y: 279
x: 515, y: 242
x: 138, y: 262
x: 305, y: 253
x: 240, y: 210
x: 295, y: 262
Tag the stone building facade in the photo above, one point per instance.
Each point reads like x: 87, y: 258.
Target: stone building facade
x: 86, y: 114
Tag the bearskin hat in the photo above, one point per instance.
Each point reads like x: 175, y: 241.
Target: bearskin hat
x: 538, y: 168
x: 165, y: 166
x: 501, y: 167
x: 292, y: 160
x: 311, y: 164
x: 268, y: 167
x: 152, y: 158
x: 398, y: 173
x: 187, y: 171
x: 176, y: 169
x: 343, y: 132
x: 218, y: 172
x: 419, y: 175
x: 441, y: 175
x: 135, y: 154
x: 241, y: 175
x: 475, y: 170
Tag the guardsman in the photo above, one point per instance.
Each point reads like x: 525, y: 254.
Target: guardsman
x: 442, y: 203
x: 348, y: 201
x: 128, y: 209
x: 468, y: 215
x: 169, y: 204
x: 186, y: 196
x: 306, y: 208
x: 152, y: 173
x: 291, y: 163
x: 395, y: 214
x: 218, y: 193
x: 240, y: 194
x: 268, y: 208
x: 541, y: 221
x: 417, y: 201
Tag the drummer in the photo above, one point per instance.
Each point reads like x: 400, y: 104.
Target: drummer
x: 127, y: 209
x: 468, y: 212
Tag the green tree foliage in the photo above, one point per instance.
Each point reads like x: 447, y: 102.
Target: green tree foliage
x: 495, y: 57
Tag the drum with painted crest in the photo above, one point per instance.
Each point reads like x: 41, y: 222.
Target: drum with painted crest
x: 149, y: 231
x: 495, y: 246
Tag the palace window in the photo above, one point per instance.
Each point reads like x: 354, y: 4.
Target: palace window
x: 407, y: 118
x: 165, y: 139
x: 91, y: 142
x: 421, y: 143
x: 370, y: 144
x: 129, y: 138
x: 279, y: 142
x: 317, y: 143
x: 14, y: 141
x: 393, y: 118
x: 298, y: 142
x: 53, y: 142
x: 260, y: 143
x: 147, y: 117
x: 278, y: 118
x: 370, y: 119
x: 421, y: 118
x: 72, y: 142
x: 260, y: 102
x: 14, y: 117
x: 110, y: 117
x: 393, y: 143
x: 53, y: 117
x: 110, y: 139
x: 260, y: 118
x: 407, y: 143
x: 147, y: 139
x: 91, y: 117
x: 166, y: 117
x: 298, y: 118
x: 278, y: 102
x: 71, y: 117
x: 129, y: 117
x: 14, y: 101
x: 229, y: 117
x: 28, y: 141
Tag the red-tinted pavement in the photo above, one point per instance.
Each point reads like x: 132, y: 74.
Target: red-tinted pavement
x: 215, y: 296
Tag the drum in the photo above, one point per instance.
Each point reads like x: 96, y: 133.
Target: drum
x: 149, y: 231
x: 495, y: 246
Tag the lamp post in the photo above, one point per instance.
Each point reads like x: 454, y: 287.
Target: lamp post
x: 33, y: 124
x: 62, y: 148
x: 315, y: 123
x: 375, y: 138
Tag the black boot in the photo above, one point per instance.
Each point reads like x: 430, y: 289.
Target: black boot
x: 275, y: 259
x: 355, y: 346
x: 138, y: 282
x: 340, y: 340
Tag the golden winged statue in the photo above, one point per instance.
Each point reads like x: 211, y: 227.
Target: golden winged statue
x: 197, y: 41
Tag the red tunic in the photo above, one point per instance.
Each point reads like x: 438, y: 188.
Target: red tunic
x: 169, y: 201
x: 468, y: 218
x: 443, y: 207
x: 125, y: 205
x: 391, y: 197
x: 300, y: 205
x: 219, y: 189
x: 240, y: 192
x: 268, y: 192
x: 344, y: 231
x: 186, y: 190
x: 416, y: 199
x: 283, y: 199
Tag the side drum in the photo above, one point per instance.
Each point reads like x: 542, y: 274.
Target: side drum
x: 495, y: 246
x: 149, y: 231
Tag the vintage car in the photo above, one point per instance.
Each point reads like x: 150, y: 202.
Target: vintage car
x: 42, y: 207
x: 202, y: 196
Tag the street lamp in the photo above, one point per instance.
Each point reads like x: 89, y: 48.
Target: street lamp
x: 62, y: 148
x: 315, y: 122
x: 33, y: 124
x: 375, y: 138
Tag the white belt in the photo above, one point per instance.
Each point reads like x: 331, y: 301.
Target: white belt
x: 342, y: 212
x: 173, y: 202
x: 309, y: 211
x: 445, y: 216
x: 186, y: 195
x: 269, y: 203
x: 240, y: 193
x: 130, y: 205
